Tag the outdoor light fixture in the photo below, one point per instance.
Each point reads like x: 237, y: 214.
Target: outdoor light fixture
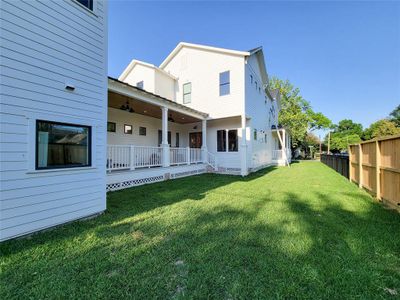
x: 170, y: 118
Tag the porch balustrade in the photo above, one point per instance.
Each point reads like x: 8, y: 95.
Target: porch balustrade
x: 195, y: 155
x: 277, y: 154
x: 130, y: 157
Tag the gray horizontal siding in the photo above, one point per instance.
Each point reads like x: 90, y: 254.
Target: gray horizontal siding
x: 46, y: 44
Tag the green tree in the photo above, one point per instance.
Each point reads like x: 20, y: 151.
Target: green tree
x: 341, y: 142
x: 380, y: 128
x: 345, y: 132
x: 318, y: 121
x: 395, y: 116
x: 296, y: 113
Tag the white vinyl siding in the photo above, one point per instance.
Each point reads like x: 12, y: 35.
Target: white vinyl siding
x: 45, y: 45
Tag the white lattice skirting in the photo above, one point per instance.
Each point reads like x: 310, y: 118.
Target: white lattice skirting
x: 123, y: 180
x: 130, y: 183
x: 187, y: 173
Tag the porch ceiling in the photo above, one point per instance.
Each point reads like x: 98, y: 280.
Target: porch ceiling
x: 116, y: 100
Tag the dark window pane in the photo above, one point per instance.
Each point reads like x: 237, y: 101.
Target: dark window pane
x: 111, y: 127
x: 221, y: 140
x: 142, y: 130
x: 232, y: 140
x: 60, y: 145
x: 86, y: 3
x: 177, y: 140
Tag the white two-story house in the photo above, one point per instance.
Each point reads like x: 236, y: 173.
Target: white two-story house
x: 234, y: 123
x: 69, y: 133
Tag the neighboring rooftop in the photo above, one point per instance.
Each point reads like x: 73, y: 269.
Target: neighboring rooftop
x: 135, y: 62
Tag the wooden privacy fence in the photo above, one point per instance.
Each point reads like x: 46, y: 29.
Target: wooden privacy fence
x: 375, y: 166
x: 340, y: 163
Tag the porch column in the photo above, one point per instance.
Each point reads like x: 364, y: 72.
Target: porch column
x: 164, y: 143
x: 243, y: 149
x: 204, y: 140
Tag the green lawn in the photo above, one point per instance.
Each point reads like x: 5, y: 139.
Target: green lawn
x: 298, y: 232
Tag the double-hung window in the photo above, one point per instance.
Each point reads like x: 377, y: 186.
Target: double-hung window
x: 224, y: 83
x: 227, y: 140
x: 187, y: 92
x: 62, y: 145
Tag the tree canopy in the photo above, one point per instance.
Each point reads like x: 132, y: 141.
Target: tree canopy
x: 296, y: 113
x: 380, y: 128
x: 345, y: 132
x: 395, y: 116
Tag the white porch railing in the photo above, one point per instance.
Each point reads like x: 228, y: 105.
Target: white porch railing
x: 178, y: 156
x: 118, y: 157
x: 145, y: 156
x: 195, y: 156
x: 125, y: 157
x: 122, y: 157
x: 212, y: 160
x: 277, y: 154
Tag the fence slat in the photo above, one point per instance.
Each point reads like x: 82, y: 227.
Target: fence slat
x: 340, y: 163
x: 378, y: 164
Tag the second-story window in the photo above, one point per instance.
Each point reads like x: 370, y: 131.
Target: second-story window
x: 86, y: 3
x: 224, y: 83
x: 140, y: 84
x: 187, y: 92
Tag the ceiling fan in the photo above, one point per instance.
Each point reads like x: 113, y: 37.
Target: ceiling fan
x: 126, y: 107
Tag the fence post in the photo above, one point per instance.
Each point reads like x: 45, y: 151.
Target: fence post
x: 350, y: 173
x: 132, y: 157
x: 360, y: 165
x: 378, y: 171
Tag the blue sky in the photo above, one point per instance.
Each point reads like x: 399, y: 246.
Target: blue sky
x: 344, y: 56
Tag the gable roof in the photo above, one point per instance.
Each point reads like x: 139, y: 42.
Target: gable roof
x: 256, y: 51
x: 135, y: 62
x: 201, y: 47
x: 261, y: 61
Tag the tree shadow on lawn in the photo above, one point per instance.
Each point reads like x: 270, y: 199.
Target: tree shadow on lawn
x: 129, y: 203
x: 292, y: 247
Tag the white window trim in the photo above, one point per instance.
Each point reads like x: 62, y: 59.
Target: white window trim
x: 227, y: 141
x: 219, y: 83
x: 87, y: 10
x: 183, y: 92
x: 31, y: 156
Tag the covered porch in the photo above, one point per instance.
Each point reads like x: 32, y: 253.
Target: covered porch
x: 281, y: 153
x: 146, y: 131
